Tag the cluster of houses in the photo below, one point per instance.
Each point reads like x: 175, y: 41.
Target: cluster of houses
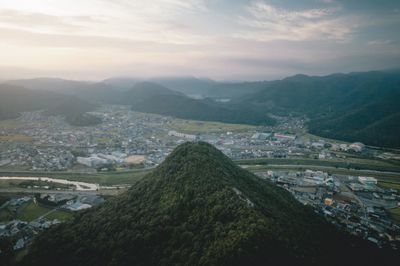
x: 21, y: 233
x: 55, y: 145
x: 70, y: 202
x: 355, y: 204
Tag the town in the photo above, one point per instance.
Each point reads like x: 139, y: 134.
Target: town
x: 126, y: 139
x: 352, y: 185
x: 24, y: 217
x: 355, y: 204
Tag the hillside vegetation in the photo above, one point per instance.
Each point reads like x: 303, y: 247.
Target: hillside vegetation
x: 199, y: 208
x: 354, y: 107
x: 153, y: 98
x: 14, y: 100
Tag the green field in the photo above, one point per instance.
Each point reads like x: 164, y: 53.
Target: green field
x: 311, y: 136
x: 59, y: 215
x: 191, y: 126
x: 104, y: 179
x: 6, y: 215
x: 386, y: 171
x: 386, y: 177
x: 348, y: 163
x: 32, y: 211
x: 392, y: 185
x: 4, y: 184
x: 395, y: 214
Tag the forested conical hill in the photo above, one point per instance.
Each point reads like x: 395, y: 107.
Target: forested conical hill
x: 198, y: 208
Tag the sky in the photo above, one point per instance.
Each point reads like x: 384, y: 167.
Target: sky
x: 219, y: 39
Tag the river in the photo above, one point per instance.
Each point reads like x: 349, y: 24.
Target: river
x: 81, y: 186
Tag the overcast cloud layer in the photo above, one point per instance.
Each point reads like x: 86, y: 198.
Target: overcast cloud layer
x: 220, y: 39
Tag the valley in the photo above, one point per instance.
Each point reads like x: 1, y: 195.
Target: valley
x: 57, y: 159
x: 199, y: 132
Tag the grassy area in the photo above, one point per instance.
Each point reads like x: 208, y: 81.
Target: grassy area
x: 59, y: 215
x: 31, y: 211
x: 14, y: 168
x: 385, y: 177
x: 16, y: 137
x: 4, y: 184
x: 9, y: 183
x: 9, y: 124
x: 395, y: 214
x: 392, y: 185
x: 103, y: 140
x: 6, y: 215
x: 358, y: 164
x: 19, y: 255
x: 191, y: 126
x: 105, y: 179
x: 3, y: 199
x: 311, y: 136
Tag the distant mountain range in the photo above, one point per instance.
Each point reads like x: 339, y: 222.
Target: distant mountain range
x: 199, y: 208
x: 152, y: 98
x: 147, y: 97
x: 354, y: 107
x: 14, y: 99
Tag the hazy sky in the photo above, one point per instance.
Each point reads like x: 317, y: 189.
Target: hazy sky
x: 221, y: 39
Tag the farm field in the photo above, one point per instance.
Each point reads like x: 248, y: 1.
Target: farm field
x: 191, y: 126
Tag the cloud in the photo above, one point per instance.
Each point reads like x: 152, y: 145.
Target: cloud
x: 217, y: 38
x: 38, y: 22
x: 158, y: 20
x: 265, y: 22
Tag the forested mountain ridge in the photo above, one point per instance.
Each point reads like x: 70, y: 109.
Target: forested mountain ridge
x: 150, y: 97
x: 360, y: 106
x: 15, y: 99
x: 199, y: 208
x: 354, y: 107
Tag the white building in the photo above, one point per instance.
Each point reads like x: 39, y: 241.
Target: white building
x: 357, y: 146
x: 92, y: 161
x: 367, y: 180
x: 174, y: 133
